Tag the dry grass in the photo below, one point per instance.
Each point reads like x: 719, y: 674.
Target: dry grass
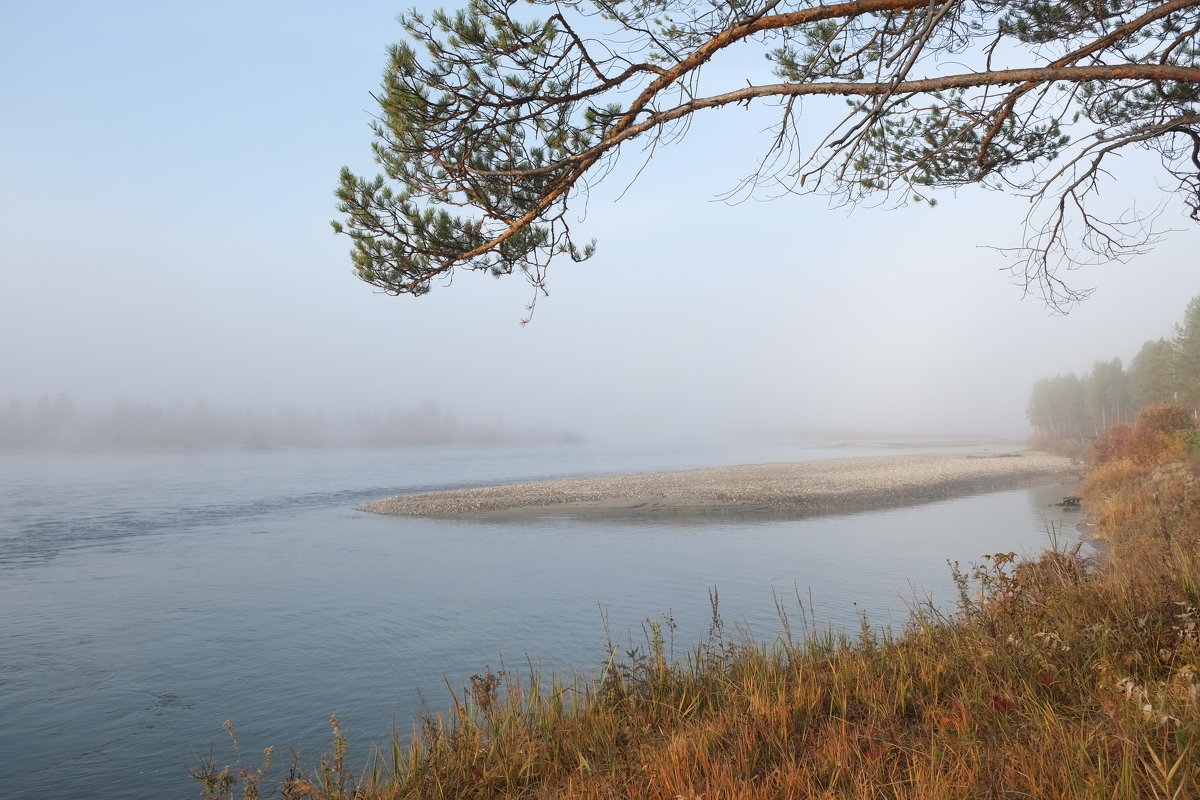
x: 1058, y: 677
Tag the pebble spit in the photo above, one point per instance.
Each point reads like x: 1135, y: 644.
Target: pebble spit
x: 786, y: 489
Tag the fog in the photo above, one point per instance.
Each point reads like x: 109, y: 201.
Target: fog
x: 167, y: 185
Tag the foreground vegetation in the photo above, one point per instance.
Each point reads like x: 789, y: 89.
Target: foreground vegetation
x: 1059, y: 677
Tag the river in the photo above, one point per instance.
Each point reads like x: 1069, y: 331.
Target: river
x: 146, y: 598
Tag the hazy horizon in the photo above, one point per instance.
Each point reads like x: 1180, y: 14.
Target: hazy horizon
x: 59, y: 423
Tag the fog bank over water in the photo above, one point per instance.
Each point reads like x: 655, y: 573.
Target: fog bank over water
x: 61, y: 425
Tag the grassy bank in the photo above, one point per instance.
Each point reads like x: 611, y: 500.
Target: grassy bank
x: 1059, y: 677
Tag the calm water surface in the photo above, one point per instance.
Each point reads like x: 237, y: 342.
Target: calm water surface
x: 146, y: 598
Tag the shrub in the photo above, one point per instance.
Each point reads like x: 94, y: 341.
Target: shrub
x: 1160, y: 433
x: 1114, y: 444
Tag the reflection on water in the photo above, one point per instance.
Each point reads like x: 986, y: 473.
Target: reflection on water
x: 149, y: 598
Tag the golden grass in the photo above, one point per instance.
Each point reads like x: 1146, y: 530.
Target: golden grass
x: 1057, y: 677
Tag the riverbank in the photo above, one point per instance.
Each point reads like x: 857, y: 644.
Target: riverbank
x: 1062, y: 676
x: 799, y: 489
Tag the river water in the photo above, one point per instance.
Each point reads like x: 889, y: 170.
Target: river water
x: 146, y: 598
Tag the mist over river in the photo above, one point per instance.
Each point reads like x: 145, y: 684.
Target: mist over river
x: 146, y: 598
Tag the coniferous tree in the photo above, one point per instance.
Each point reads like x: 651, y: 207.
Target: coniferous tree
x: 1186, y: 361
x: 1106, y: 395
x: 1151, y: 374
x: 1166, y: 371
x: 492, y: 121
x: 1057, y: 407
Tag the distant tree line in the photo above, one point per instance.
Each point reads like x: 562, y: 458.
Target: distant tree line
x: 58, y: 423
x: 1075, y: 407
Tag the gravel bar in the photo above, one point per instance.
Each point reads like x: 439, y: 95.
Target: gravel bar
x: 795, y: 489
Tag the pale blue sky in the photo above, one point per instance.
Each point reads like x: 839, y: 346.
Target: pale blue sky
x: 165, y: 191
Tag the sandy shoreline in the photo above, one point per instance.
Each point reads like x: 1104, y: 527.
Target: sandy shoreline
x: 778, y: 490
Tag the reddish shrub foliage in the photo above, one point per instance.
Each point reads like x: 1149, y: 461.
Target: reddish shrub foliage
x: 1157, y: 434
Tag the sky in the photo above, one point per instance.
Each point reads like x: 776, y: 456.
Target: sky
x: 166, y: 187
